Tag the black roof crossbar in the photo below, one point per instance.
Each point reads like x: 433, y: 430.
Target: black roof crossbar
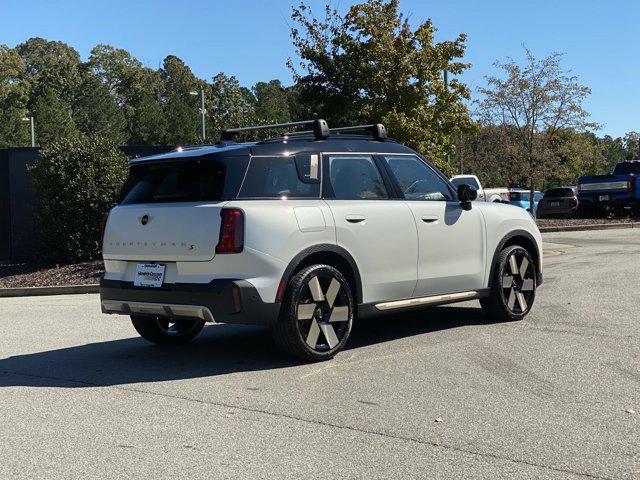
x: 377, y: 130
x: 320, y: 128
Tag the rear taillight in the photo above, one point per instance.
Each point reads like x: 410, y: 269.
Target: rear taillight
x: 574, y: 201
x: 231, y: 238
x: 631, y: 183
x: 103, y: 226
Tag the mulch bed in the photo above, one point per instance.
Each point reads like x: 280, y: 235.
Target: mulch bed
x: 88, y: 273
x: 564, y: 222
x: 37, y: 275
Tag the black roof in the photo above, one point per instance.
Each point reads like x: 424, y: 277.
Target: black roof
x: 286, y: 145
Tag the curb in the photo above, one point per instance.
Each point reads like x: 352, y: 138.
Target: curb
x: 596, y: 226
x: 37, y: 291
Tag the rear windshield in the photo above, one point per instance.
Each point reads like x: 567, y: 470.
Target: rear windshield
x: 559, y: 193
x: 524, y: 196
x: 626, y: 168
x: 205, y: 179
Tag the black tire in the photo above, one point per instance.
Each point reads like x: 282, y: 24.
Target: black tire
x: 513, y: 289
x: 165, y: 332
x: 317, y: 314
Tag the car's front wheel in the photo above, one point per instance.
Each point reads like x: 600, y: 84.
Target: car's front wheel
x: 166, y: 332
x: 513, y: 289
x: 317, y: 314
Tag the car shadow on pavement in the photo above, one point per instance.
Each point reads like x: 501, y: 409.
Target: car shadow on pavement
x: 218, y: 350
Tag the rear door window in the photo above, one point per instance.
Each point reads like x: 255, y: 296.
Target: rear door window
x: 356, y: 177
x: 276, y: 177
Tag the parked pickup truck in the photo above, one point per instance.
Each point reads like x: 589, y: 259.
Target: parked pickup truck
x: 500, y: 195
x: 612, y: 193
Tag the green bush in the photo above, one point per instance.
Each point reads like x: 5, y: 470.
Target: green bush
x: 77, y: 181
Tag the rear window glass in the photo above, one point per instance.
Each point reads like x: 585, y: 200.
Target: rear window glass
x: 184, y: 181
x: 558, y: 193
x: 356, y: 177
x: 276, y: 177
x: 627, y: 167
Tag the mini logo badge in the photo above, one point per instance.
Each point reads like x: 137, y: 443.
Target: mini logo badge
x: 144, y: 219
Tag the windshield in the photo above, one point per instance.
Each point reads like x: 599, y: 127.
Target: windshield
x: 558, y: 193
x: 625, y: 168
x: 184, y: 181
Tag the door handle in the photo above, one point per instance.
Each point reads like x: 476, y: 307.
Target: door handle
x: 355, y: 218
x: 429, y: 218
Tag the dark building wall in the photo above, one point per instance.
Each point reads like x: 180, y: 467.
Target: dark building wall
x: 23, y: 203
x: 18, y: 200
x: 5, y: 208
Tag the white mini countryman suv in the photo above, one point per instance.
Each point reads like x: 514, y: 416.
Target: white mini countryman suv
x: 305, y: 233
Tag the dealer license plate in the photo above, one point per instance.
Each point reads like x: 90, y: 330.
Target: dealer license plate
x: 149, y: 275
x: 603, y: 198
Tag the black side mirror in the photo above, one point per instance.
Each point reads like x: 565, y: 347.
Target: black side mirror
x: 466, y: 195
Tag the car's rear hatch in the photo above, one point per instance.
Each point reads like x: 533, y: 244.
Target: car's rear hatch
x: 170, y: 208
x: 163, y: 232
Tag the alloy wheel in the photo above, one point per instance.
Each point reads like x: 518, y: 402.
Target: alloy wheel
x: 323, y: 312
x: 518, y: 283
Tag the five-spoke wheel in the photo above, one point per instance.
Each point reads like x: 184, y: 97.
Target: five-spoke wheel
x: 317, y: 314
x: 514, y: 285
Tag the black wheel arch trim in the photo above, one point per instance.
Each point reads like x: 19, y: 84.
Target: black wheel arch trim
x: 325, y: 248
x: 505, y: 239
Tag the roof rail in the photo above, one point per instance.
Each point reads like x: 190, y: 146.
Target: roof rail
x: 320, y: 128
x: 377, y: 130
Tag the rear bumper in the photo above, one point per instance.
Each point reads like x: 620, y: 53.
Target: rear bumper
x: 616, y: 198
x: 221, y: 301
x: 544, y: 210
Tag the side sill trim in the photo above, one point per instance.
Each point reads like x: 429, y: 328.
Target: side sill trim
x: 432, y: 300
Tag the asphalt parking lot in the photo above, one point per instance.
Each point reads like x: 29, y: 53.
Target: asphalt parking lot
x: 440, y: 394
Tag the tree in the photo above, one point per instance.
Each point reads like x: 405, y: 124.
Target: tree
x: 115, y: 68
x: 370, y: 66
x: 53, y: 118
x: 540, y: 100
x: 632, y: 145
x: 229, y: 105
x: 14, y: 92
x: 95, y: 111
x: 271, y: 105
x: 77, y: 181
x: 181, y: 108
x: 52, y: 65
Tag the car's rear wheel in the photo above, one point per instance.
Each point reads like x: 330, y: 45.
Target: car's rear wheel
x: 164, y: 331
x: 317, y: 314
x: 514, y: 285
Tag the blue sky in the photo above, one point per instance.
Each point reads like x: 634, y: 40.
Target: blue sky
x: 250, y: 38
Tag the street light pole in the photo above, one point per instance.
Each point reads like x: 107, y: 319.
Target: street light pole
x: 446, y: 87
x: 203, y: 112
x: 33, y: 130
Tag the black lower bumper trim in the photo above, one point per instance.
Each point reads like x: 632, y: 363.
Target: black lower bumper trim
x: 218, y: 296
